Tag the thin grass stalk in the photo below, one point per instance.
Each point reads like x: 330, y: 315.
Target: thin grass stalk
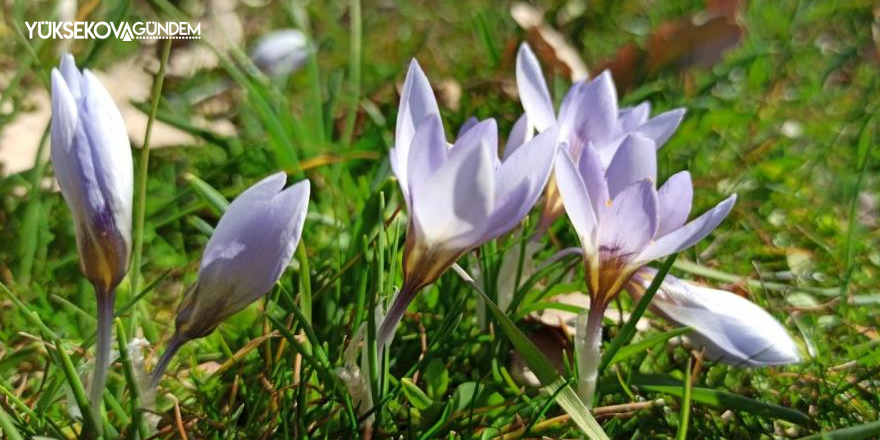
x: 143, y: 165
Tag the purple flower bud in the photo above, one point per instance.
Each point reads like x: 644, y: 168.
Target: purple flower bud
x: 91, y: 155
x: 250, y: 248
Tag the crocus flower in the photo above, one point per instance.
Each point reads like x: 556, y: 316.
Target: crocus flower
x: 280, y: 52
x: 91, y: 155
x: 458, y: 197
x: 731, y: 328
x: 623, y: 223
x: 245, y: 256
x: 589, y: 114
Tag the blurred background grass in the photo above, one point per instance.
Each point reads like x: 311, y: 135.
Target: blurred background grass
x: 781, y: 100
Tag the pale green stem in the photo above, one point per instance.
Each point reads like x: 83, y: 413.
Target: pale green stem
x: 588, y: 344
x: 102, y: 354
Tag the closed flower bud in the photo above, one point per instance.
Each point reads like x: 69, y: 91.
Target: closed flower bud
x: 91, y: 155
x: 250, y: 248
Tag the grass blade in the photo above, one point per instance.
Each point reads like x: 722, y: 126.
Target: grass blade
x: 543, y: 369
x: 859, y: 432
x: 720, y: 399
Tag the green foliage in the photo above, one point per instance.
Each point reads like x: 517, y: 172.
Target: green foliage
x: 786, y: 120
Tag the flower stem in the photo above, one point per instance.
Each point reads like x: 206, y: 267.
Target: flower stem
x: 395, y: 314
x: 173, y: 345
x: 589, y: 341
x: 102, y: 354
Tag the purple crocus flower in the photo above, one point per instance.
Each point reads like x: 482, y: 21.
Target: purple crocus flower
x: 589, y: 114
x: 623, y: 223
x: 729, y: 327
x: 91, y: 156
x: 252, y: 245
x: 458, y: 196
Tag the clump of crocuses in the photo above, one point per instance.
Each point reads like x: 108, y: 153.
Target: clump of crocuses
x: 91, y: 156
x: 251, y: 246
x: 458, y: 197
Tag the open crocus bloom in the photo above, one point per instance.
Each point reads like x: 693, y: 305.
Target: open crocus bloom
x: 246, y: 255
x: 458, y: 197
x: 589, y: 114
x: 622, y: 220
x: 731, y: 328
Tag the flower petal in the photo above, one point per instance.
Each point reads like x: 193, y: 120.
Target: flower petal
x: 469, y: 124
x: 596, y: 112
x: 632, y: 117
x: 520, y: 134
x: 689, y: 234
x: 453, y: 206
x: 629, y: 222
x: 635, y: 160
x: 533, y: 90
x: 731, y: 328
x: 72, y: 76
x: 428, y: 152
x: 520, y: 181
x: 674, y: 201
x: 111, y: 150
x: 661, y: 127
x: 591, y: 170
x: 251, y: 246
x: 576, y: 199
x: 416, y: 102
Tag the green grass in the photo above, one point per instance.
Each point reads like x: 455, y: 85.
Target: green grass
x: 801, y: 232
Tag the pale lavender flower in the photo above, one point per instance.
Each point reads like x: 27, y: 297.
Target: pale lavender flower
x: 589, y: 114
x: 622, y: 220
x: 623, y: 223
x: 280, y: 52
x: 91, y: 156
x: 729, y: 327
x: 251, y: 246
x: 458, y: 197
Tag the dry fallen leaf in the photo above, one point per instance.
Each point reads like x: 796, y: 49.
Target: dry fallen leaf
x: 548, y: 43
x: 696, y: 41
